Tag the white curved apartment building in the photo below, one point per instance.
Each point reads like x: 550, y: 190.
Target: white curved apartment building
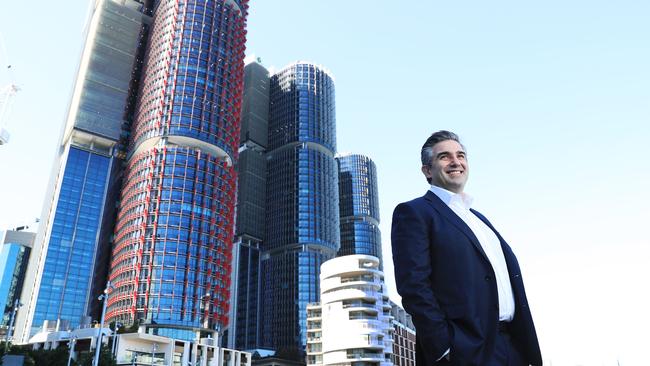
x: 351, y: 326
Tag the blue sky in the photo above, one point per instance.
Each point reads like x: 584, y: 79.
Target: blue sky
x: 552, y: 100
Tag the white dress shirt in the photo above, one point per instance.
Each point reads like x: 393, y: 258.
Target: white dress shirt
x: 460, y: 203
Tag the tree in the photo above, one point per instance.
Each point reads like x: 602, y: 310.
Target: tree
x: 105, y: 357
x: 51, y: 357
x: 290, y: 353
x: 41, y: 357
x: 133, y: 328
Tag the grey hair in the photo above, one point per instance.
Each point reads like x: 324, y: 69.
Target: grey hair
x: 426, y: 154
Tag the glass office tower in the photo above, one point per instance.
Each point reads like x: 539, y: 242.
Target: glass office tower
x: 251, y: 207
x: 171, y: 262
x: 302, y: 225
x: 70, y: 257
x: 14, y: 255
x: 359, y: 206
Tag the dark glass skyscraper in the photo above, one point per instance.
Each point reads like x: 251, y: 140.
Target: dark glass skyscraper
x: 302, y: 225
x: 251, y: 208
x: 71, y: 251
x: 359, y: 206
x: 171, y: 263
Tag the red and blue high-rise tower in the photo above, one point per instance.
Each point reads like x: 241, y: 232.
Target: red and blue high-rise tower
x: 171, y: 259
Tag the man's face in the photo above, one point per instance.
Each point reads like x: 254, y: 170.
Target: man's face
x: 448, y: 168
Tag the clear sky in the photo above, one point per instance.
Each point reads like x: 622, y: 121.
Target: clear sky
x: 552, y: 100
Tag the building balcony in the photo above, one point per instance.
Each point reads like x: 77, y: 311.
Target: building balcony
x: 313, y: 348
x: 372, y: 325
x: 374, y: 342
x: 313, y: 360
x: 350, y: 294
x: 336, y: 284
x: 365, y: 356
x: 314, y: 325
x: 314, y: 336
x: 370, y: 314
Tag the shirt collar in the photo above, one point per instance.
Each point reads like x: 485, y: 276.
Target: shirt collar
x: 451, y: 198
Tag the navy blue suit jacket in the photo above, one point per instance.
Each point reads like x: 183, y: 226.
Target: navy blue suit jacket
x: 447, y: 285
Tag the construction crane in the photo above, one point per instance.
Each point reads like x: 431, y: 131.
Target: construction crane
x: 7, y: 92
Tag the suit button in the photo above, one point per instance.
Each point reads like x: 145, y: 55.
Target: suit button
x: 487, y: 278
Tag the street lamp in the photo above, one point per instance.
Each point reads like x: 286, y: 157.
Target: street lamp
x: 117, y: 327
x: 98, y: 346
x: 154, y: 347
x: 73, y: 341
x: 17, y: 304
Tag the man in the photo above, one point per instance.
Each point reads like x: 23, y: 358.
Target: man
x: 458, y: 278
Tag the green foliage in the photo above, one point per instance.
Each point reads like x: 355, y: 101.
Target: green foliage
x: 133, y: 328
x: 18, y: 350
x: 59, y: 356
x: 41, y: 357
x: 105, y: 357
x: 53, y: 357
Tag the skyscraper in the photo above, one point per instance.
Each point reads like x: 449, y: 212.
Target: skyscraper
x: 302, y: 225
x: 251, y: 208
x: 174, y: 233
x: 71, y: 249
x: 359, y: 206
x: 15, y: 247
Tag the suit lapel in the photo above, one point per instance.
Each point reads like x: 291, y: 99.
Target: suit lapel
x: 504, y: 246
x: 451, y: 216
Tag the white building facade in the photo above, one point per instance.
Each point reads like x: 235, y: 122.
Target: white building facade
x: 352, y: 323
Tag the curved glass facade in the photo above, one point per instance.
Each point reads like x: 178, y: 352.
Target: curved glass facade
x: 174, y: 233
x: 302, y: 199
x: 193, y: 74
x: 359, y: 206
x: 171, y: 261
x: 302, y: 226
x: 302, y: 107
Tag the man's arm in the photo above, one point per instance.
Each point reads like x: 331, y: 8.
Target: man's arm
x: 410, y: 240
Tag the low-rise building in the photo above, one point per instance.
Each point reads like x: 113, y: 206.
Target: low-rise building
x: 143, y: 348
x: 403, y: 337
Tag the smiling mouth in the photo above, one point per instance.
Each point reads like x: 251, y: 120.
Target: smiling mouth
x: 455, y: 172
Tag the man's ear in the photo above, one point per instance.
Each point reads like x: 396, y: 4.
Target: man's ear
x: 426, y: 170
